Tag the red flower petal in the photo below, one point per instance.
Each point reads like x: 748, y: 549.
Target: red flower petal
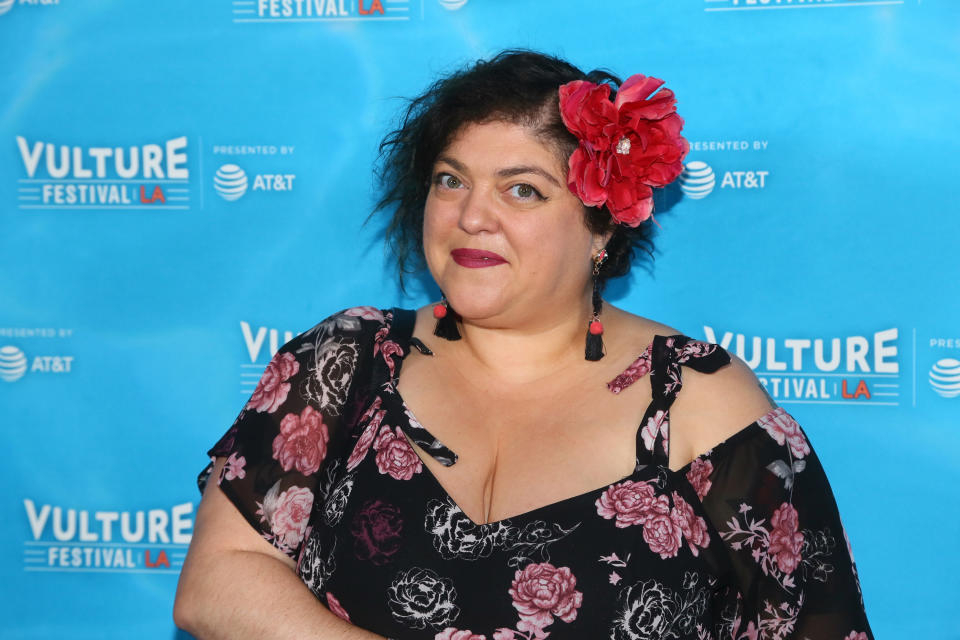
x: 586, y: 109
x: 636, y: 88
x: 630, y: 203
x: 584, y: 178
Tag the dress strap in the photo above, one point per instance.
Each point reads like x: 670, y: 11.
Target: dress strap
x: 401, y: 334
x: 401, y: 328
x: 667, y: 356
x: 390, y: 346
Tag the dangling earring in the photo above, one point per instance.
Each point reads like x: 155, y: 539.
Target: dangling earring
x: 594, y: 350
x: 446, y: 320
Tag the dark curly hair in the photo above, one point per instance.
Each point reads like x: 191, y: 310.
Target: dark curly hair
x: 518, y: 86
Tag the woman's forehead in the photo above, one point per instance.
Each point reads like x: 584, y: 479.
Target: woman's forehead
x: 499, y: 143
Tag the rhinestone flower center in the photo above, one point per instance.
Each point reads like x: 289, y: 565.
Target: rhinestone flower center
x: 623, y: 146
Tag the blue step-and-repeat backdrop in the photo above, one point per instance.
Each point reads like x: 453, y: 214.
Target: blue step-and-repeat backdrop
x: 184, y: 185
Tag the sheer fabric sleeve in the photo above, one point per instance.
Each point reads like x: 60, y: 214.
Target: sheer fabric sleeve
x: 277, y: 447
x: 768, y: 497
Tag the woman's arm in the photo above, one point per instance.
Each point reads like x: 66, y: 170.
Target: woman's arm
x: 236, y: 585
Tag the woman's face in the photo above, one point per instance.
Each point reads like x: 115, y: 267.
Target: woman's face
x: 503, y: 236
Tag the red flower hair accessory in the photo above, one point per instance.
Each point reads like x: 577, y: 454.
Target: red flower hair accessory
x: 627, y: 146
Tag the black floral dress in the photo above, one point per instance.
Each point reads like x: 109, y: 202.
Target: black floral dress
x: 744, y: 542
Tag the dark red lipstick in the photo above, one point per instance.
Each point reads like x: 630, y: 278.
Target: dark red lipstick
x: 476, y: 258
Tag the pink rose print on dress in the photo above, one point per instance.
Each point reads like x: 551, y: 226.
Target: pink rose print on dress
x: 785, y: 430
x: 699, y: 476
x: 367, y: 313
x: 785, y: 540
x: 639, y: 368
x: 377, y: 530
x: 692, y: 526
x: 335, y: 607
x: 395, y: 456
x: 655, y: 424
x: 271, y: 390
x: 387, y: 348
x: 234, y: 467
x: 630, y: 503
x: 302, y: 441
x: 365, y: 441
x: 390, y: 348
x: 777, y: 551
x: 373, y: 416
x: 695, y: 349
x: 287, y: 514
x: 857, y: 635
x: 451, y: 633
x: 541, y: 591
x: 662, y: 534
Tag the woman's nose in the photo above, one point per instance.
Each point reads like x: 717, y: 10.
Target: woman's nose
x: 478, y: 212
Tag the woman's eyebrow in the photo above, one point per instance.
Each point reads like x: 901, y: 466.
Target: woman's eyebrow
x: 506, y: 172
x: 459, y: 166
x: 515, y: 171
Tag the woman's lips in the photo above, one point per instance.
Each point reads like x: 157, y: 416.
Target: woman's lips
x: 476, y: 258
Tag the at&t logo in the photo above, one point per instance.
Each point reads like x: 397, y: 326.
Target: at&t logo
x: 698, y: 179
x: 13, y: 363
x: 945, y: 377
x: 231, y: 182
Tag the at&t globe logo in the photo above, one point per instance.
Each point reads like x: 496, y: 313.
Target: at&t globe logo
x: 697, y: 180
x: 945, y: 377
x: 13, y: 363
x: 5, y: 5
x: 230, y: 182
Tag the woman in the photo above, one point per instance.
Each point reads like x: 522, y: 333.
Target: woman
x: 495, y: 466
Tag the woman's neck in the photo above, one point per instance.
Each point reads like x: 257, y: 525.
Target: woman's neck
x: 525, y: 353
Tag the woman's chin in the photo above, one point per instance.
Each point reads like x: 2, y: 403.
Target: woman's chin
x: 477, y: 305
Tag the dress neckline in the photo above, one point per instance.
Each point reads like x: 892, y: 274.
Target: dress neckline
x: 401, y: 331
x: 666, y: 355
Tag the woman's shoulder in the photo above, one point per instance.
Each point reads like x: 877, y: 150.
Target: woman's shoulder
x: 631, y: 332
x: 356, y: 326
x: 713, y: 406
x: 710, y: 406
x: 350, y: 322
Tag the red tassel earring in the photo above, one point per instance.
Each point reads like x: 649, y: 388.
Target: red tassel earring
x: 446, y: 320
x: 594, y: 347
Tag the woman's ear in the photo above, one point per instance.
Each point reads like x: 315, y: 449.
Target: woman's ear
x: 600, y: 240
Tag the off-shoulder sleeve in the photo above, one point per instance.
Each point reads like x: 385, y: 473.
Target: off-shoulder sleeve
x: 793, y: 574
x: 277, y: 447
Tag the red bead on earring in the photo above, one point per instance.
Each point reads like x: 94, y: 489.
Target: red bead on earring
x: 596, y: 328
x: 446, y: 320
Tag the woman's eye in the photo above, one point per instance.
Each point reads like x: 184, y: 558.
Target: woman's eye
x: 525, y: 191
x: 447, y: 181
